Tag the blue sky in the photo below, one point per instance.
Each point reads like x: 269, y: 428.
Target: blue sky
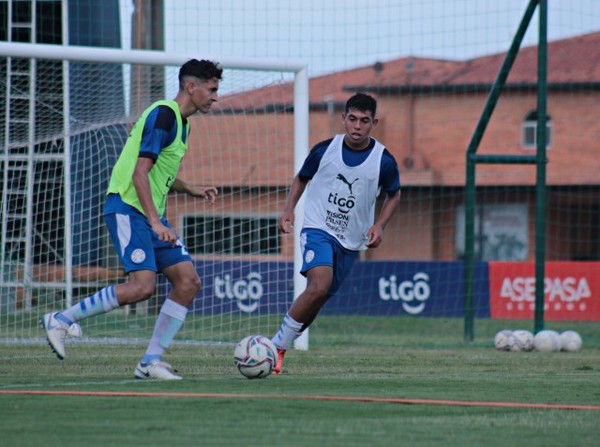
x: 334, y: 35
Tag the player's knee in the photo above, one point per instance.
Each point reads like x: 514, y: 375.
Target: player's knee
x: 188, y: 286
x: 146, y: 290
x: 196, y: 285
x: 318, y: 291
x: 138, y: 291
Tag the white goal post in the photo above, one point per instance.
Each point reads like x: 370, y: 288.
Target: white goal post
x: 24, y: 151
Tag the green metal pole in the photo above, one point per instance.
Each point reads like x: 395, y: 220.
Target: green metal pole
x: 470, y: 168
x: 540, y: 214
x: 469, y: 251
x: 501, y: 78
x: 494, y: 159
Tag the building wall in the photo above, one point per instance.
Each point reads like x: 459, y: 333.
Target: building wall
x: 428, y: 135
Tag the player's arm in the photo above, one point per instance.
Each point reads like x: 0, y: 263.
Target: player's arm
x: 205, y: 192
x: 159, y: 131
x: 144, y: 193
x: 390, y: 182
x: 375, y: 234
x: 307, y: 171
x: 286, y: 220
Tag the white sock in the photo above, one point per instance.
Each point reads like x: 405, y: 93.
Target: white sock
x: 288, y: 332
x: 169, y: 321
x: 101, y: 302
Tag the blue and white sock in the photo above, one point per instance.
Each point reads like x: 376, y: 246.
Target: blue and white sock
x: 289, y: 331
x: 169, y: 321
x: 101, y: 302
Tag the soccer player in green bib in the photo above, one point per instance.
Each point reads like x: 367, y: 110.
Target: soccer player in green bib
x: 142, y: 177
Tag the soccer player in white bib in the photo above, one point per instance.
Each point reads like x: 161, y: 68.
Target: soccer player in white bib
x: 142, y: 177
x: 342, y: 177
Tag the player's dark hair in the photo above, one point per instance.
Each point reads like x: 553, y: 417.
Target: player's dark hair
x: 362, y: 102
x: 203, y: 70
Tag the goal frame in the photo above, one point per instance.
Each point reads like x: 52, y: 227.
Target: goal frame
x: 67, y: 53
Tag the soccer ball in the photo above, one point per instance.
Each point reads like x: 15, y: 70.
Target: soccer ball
x: 502, y: 340
x: 547, y: 341
x: 255, y: 357
x: 522, y: 340
x: 570, y: 341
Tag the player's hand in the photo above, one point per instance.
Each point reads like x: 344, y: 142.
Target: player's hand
x: 286, y: 223
x: 373, y: 237
x: 206, y: 192
x: 164, y: 234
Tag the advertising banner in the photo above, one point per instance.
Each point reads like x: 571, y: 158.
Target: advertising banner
x: 249, y: 287
x: 410, y: 288
x: 571, y: 290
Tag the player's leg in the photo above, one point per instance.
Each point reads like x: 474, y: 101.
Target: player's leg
x: 323, y: 282
x: 139, y: 287
x: 331, y: 265
x: 303, y: 311
x: 176, y: 265
x: 304, y: 308
x: 132, y: 238
x: 307, y: 305
x: 318, y: 251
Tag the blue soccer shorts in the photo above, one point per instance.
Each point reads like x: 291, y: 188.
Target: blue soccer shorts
x: 320, y: 248
x: 138, y: 245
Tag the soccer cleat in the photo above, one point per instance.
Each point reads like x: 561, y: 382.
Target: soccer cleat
x: 155, y: 370
x: 279, y: 366
x: 56, y: 333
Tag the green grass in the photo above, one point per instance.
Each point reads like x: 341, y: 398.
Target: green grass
x: 410, y: 358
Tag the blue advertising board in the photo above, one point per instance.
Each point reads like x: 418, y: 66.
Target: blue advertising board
x: 410, y: 288
x: 250, y: 287
x: 417, y: 288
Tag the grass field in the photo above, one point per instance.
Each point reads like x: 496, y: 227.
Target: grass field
x: 364, y: 381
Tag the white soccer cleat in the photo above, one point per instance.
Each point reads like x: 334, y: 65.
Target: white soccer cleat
x: 155, y: 370
x: 56, y: 333
x: 75, y: 331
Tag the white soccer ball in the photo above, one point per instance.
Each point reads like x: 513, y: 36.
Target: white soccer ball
x: 522, y: 340
x: 75, y: 330
x: 502, y: 340
x: 570, y: 341
x: 255, y: 357
x: 547, y: 341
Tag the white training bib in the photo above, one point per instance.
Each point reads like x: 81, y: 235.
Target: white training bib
x: 340, y: 199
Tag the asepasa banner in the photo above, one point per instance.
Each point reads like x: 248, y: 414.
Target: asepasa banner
x: 571, y: 290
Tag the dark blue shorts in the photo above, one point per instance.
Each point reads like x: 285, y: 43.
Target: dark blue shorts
x: 320, y: 248
x: 139, y: 247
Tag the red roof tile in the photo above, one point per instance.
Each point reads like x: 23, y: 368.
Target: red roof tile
x: 572, y: 60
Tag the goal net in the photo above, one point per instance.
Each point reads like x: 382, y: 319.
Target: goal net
x: 68, y: 113
x: 431, y: 66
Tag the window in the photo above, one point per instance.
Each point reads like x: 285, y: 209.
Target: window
x: 530, y: 127
x: 231, y: 235
x: 501, y: 232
